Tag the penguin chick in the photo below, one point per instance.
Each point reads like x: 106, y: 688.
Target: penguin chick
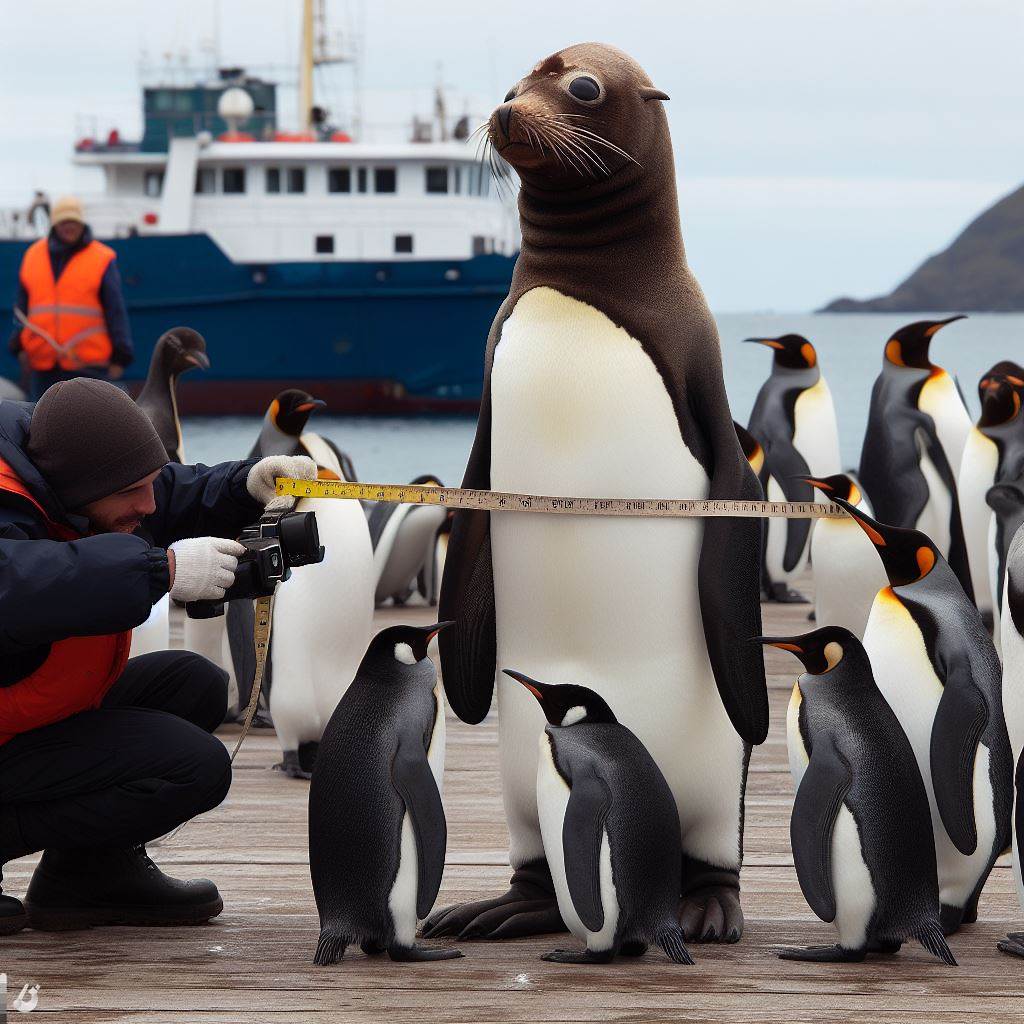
x: 377, y: 830
x: 610, y: 829
x: 936, y: 665
x: 176, y: 351
x: 861, y: 826
x: 794, y: 420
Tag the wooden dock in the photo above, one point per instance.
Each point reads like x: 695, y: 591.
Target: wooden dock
x: 254, y: 962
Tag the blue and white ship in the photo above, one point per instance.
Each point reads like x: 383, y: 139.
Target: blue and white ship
x: 366, y: 273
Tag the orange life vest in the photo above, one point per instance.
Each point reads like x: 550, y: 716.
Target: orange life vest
x: 77, y: 672
x: 67, y: 325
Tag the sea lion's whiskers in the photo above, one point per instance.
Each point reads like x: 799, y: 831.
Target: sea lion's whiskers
x: 553, y: 144
x: 581, y: 148
x: 600, y: 140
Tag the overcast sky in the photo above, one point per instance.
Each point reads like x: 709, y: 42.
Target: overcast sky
x: 822, y: 148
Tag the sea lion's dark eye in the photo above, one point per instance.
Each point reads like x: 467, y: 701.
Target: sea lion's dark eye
x: 510, y: 95
x: 584, y: 88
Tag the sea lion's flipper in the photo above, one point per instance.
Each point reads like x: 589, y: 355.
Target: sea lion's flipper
x: 730, y: 599
x: 960, y: 721
x: 818, y: 801
x: 469, y: 647
x: 414, y: 781
x: 582, y: 836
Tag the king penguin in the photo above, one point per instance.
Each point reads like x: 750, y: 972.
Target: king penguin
x: 284, y: 433
x: 377, y: 830
x: 861, y: 827
x: 794, y: 420
x: 603, y: 376
x: 404, y: 539
x: 937, y: 667
x: 914, y: 443
x: 177, y: 351
x: 1013, y: 708
x: 847, y: 572
x: 994, y: 452
x: 610, y: 829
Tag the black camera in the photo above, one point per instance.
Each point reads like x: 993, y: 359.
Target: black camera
x: 274, y: 545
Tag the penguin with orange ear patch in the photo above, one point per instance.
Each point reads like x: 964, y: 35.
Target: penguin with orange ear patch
x: 936, y: 665
x: 860, y: 830
x: 917, y: 429
x: 795, y: 422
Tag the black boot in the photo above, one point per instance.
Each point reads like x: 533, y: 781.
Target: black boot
x: 12, y: 913
x: 84, y: 887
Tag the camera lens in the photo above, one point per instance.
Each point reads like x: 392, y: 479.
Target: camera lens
x: 300, y: 538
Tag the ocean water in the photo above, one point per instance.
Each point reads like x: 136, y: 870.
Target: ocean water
x: 394, y: 449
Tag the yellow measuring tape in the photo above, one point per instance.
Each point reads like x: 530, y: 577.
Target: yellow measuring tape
x: 513, y: 501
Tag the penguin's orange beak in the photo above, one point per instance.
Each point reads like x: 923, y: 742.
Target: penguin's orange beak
x: 526, y: 681
x: 770, y: 342
x: 437, y: 627
x: 316, y: 403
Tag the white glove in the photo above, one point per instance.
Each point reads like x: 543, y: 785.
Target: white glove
x: 262, y: 478
x: 204, y: 567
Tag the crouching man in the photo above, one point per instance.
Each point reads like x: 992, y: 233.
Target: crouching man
x: 100, y: 754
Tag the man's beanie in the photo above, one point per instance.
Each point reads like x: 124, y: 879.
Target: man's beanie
x: 90, y: 440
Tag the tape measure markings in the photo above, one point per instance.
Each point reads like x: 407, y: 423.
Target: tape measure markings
x: 513, y: 501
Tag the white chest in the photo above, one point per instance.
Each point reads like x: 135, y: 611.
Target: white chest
x: 816, y: 436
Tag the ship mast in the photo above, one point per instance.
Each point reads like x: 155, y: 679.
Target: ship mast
x: 306, y: 69
x: 318, y: 49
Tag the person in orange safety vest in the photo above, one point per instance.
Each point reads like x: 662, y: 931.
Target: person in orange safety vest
x: 69, y: 310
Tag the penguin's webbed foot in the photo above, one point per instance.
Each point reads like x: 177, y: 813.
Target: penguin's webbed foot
x: 950, y: 918
x: 421, y: 954
x: 822, y: 954
x: 371, y: 947
x: 782, y: 594
x: 1013, y: 944
x: 579, y: 956
x: 528, y: 908
x: 712, y: 914
x: 291, y: 767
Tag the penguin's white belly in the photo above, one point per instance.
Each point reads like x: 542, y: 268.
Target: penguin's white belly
x: 1018, y: 874
x: 323, y: 619
x: 321, y: 453
x: 847, y: 575
x: 579, y: 409
x: 934, y: 518
x: 816, y: 435
x: 977, y: 474
x: 154, y: 633
x: 851, y: 883
x: 405, y: 890
x: 908, y: 682
x: 552, y: 801
x: 941, y: 400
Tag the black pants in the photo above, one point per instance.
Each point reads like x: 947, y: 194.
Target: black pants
x: 125, y: 773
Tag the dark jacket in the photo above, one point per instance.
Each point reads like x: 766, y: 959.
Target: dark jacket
x: 111, y: 299
x: 51, y: 590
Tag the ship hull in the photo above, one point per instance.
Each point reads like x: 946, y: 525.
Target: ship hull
x: 380, y: 336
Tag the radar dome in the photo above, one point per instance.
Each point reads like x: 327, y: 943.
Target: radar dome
x: 235, y: 104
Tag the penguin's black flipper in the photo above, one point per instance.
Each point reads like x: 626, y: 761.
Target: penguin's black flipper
x: 414, y: 781
x: 790, y: 469
x: 727, y: 576
x: 582, y: 836
x: 818, y: 801
x: 960, y: 721
x: 469, y: 647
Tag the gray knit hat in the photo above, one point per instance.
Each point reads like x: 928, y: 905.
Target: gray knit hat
x: 89, y: 439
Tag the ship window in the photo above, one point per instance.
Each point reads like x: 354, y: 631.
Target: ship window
x: 163, y: 99
x: 485, y: 183
x: 325, y: 243
x: 182, y: 100
x: 234, y: 180
x: 153, y: 183
x: 437, y: 179
x: 384, y: 180
x: 361, y: 178
x: 339, y: 179
x: 296, y: 179
x: 206, y: 181
x: 479, y: 245
x: 458, y: 180
x: 273, y: 179
x: 403, y: 243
